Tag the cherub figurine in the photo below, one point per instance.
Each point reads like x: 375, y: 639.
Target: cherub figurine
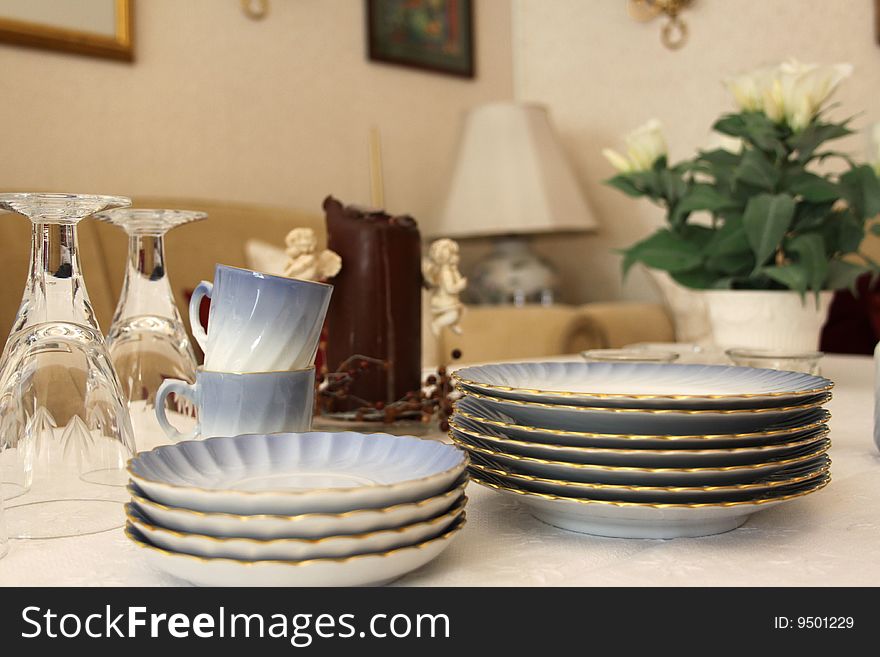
x: 442, y: 278
x: 304, y: 263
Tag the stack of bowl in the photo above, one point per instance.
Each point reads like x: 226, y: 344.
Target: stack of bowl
x: 643, y: 450
x: 307, y: 509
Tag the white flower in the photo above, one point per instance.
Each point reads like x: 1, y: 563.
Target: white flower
x: 748, y: 88
x: 644, y: 146
x: 792, y: 92
x: 874, y: 147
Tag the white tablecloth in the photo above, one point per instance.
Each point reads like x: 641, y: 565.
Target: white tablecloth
x: 830, y: 538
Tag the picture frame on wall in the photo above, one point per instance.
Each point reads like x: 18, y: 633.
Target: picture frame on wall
x: 99, y: 28
x: 432, y: 35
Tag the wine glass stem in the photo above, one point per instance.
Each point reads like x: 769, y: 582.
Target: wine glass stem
x: 146, y: 290
x: 55, y: 289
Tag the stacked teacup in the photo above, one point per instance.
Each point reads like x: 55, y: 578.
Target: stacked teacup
x: 258, y: 374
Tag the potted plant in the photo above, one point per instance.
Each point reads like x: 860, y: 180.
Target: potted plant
x: 761, y: 225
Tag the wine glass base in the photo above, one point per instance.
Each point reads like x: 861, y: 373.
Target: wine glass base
x: 65, y: 518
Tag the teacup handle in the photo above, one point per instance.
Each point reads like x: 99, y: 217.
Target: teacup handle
x: 204, y: 289
x: 183, y: 389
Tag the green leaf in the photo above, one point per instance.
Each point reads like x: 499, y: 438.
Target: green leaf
x: 731, y: 124
x: 766, y: 220
x: 697, y: 279
x: 719, y: 158
x: 700, y: 196
x: 811, y: 215
x: 813, y: 188
x: 672, y: 185
x: 626, y: 185
x: 664, y: 250
x: 755, y: 169
x: 793, y: 276
x: 843, y: 274
x: 729, y: 250
x: 875, y: 229
x: 814, y: 135
x: 843, y: 232
x: 755, y: 128
x: 810, y: 249
x: 862, y: 190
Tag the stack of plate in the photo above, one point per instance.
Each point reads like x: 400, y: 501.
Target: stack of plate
x: 310, y: 509
x: 643, y: 450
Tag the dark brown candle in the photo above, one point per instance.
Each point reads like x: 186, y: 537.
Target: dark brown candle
x: 376, y: 308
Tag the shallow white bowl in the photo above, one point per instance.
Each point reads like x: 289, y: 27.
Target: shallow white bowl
x: 491, y: 436
x: 293, y: 549
x: 371, y: 569
x: 295, y: 473
x: 643, y: 421
x: 483, y: 415
x: 642, y: 385
x: 308, y: 525
x: 628, y: 475
x: 635, y: 520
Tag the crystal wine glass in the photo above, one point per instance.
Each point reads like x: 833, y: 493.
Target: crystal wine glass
x: 65, y: 430
x: 147, y: 340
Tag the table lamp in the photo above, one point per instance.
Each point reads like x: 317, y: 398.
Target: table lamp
x: 512, y: 180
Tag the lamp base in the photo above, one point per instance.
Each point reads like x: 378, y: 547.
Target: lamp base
x: 512, y: 274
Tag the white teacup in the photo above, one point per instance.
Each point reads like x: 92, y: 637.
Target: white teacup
x: 259, y: 322
x: 234, y: 403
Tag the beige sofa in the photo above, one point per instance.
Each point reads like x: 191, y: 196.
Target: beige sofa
x: 490, y: 333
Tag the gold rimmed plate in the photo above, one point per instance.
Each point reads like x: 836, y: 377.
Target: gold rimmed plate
x: 642, y: 421
x: 293, y: 549
x: 370, y: 569
x: 489, y: 418
x: 642, y: 385
x: 296, y: 473
x: 307, y: 525
x: 637, y: 476
x: 647, y: 520
x: 494, y: 437
x: 481, y: 466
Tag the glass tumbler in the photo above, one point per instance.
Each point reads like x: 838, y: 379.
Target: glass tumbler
x: 4, y: 539
x: 793, y: 361
x: 147, y: 340
x: 65, y: 430
x: 629, y: 356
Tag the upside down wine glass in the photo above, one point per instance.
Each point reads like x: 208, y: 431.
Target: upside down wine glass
x: 147, y: 341
x: 65, y: 431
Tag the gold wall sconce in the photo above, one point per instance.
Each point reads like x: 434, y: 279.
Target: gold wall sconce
x: 255, y: 9
x: 674, y: 33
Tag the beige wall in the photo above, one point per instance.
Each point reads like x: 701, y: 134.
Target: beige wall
x: 602, y: 74
x: 220, y: 106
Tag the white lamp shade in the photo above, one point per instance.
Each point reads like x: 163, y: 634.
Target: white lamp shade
x: 512, y: 177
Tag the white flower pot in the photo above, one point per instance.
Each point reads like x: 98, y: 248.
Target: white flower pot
x: 766, y: 319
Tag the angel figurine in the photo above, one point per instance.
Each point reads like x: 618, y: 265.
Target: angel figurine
x: 445, y: 282
x: 304, y: 263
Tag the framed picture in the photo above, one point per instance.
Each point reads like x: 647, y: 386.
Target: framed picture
x: 101, y: 28
x: 434, y: 35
